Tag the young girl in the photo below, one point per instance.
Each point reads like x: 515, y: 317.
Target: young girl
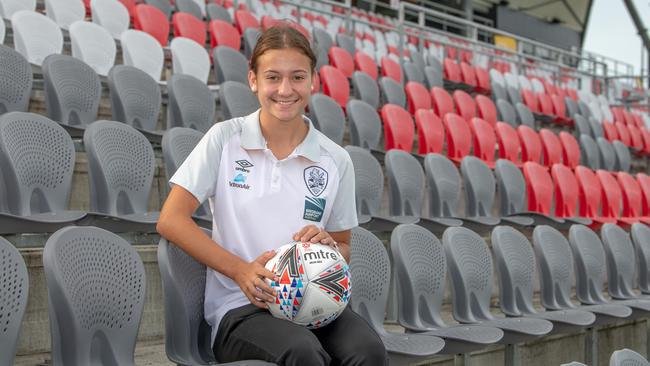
x: 271, y: 178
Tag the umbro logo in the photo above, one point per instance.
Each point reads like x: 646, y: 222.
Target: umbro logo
x: 243, y: 165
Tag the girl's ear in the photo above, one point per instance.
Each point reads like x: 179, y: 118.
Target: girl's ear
x: 252, y: 81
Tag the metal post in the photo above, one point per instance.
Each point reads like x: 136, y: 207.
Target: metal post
x: 638, y: 23
x: 591, y: 346
x: 462, y: 359
x: 511, y: 355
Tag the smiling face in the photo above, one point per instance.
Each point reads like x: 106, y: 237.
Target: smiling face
x: 282, y: 83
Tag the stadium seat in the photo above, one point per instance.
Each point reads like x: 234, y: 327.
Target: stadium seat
x: 623, y: 158
x: 15, y: 290
x: 609, y: 131
x: 217, y: 12
x: 417, y: 97
x: 570, y: 149
x: 507, y: 113
x: 484, y: 140
x: 508, y: 142
x: 582, y: 126
x: 188, y: 26
x: 468, y: 75
x: 551, y: 147
x: 399, y: 130
x: 458, y: 137
x: 35, y: 36
x: 627, y: 357
x: 632, y: 199
x: 391, y: 69
x: 526, y: 117
x: 590, y: 152
x: 499, y: 92
x: 531, y: 144
x: 515, y: 259
x: 482, y: 80
x: 130, y: 6
x: 223, y: 33
x: 514, y: 95
x: 590, y: 194
x: 99, y: 277
x: 335, y: 84
x: 250, y: 40
x: 65, y: 12
x: 392, y: 92
x: 539, y: 188
x: 15, y: 80
x: 189, y: 58
x: 365, y: 88
x: 244, y: 20
x: 195, y: 8
x: 365, y: 124
x: 370, y: 266
x: 346, y: 42
x: 165, y: 6
x: 135, y: 98
x: 463, y: 249
x: 486, y: 109
x: 530, y: 100
x: 342, y: 60
x: 237, y: 100
x: 636, y: 139
x: 607, y: 154
x: 151, y: 20
x: 545, y: 106
x: 112, y: 15
x: 9, y: 7
x: 640, y: 234
x: 72, y: 92
x: 565, y: 186
x: 365, y: 63
x: 94, y: 45
x: 141, y: 50
x: 190, y: 103
x: 2, y: 31
x: 452, y: 71
x: 322, y: 39
x: 229, y: 65
x: 623, y: 133
x: 442, y: 102
x: 571, y: 107
x: 559, y: 110
x: 413, y: 73
x: 327, y: 116
x: 464, y: 105
x: 433, y: 77
x: 431, y: 132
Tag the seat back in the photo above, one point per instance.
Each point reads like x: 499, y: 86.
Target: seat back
x: 531, y: 144
x: 511, y: 186
x: 611, y: 194
x: 566, y: 191
x: 335, y: 84
x: 215, y: 11
x: 96, y: 289
x: 623, y: 158
x: 94, y: 45
x: 483, y: 139
x: 625, y: 357
x: 229, y: 65
x: 327, y: 117
x: 570, y: 149
x: 190, y: 7
x: 417, y: 97
x: 152, y: 20
x: 589, y: 191
x: 391, y: 69
x: 420, y: 275
x: 121, y: 166
x: 223, y: 33
x: 631, y: 193
x: 65, y: 12
x: 470, y: 270
x: 346, y: 42
x: 111, y: 15
x: 342, y: 60
x: 433, y: 77
x: 464, y: 105
x: 507, y: 112
x: 515, y: 266
x: 399, y: 131
x: 641, y: 237
x: 365, y: 125
x: 237, y: 100
x: 551, y: 147
x: 590, y: 266
x: 141, y: 50
x: 486, y: 109
x: 190, y: 103
x: 458, y: 136
x: 165, y: 6
x: 35, y: 36
x: 250, y: 37
x: 15, y: 81
x: 365, y: 88
x: 322, y: 39
x: 526, y: 117
x: 414, y: 73
x: 589, y: 152
x: 405, y: 183
x: 582, y: 126
x: 443, y: 185
x: 431, y: 133
x: 190, y: 58
x: 9, y: 7
x: 366, y: 64
x: 135, y: 97
x: 369, y: 180
x: 14, y: 288
x: 392, y: 92
x: 442, y: 102
x: 508, y: 142
x: 479, y: 185
x: 621, y: 261
x: 539, y: 187
x: 623, y: 133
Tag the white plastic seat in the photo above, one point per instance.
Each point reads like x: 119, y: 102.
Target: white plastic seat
x: 9, y: 7
x: 65, y: 12
x: 36, y: 36
x: 190, y: 58
x: 141, y: 50
x: 524, y: 83
x: 94, y: 45
x: 110, y: 14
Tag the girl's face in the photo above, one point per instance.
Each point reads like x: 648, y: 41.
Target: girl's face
x: 283, y: 83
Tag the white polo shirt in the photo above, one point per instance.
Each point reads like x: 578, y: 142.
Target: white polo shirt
x: 259, y: 202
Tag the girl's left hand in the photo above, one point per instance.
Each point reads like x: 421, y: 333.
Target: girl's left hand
x: 314, y: 234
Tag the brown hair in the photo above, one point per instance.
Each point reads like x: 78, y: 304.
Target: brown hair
x: 280, y: 36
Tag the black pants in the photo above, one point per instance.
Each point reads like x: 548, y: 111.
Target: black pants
x: 249, y: 332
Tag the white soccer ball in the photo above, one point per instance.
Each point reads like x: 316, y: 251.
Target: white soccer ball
x: 314, y: 284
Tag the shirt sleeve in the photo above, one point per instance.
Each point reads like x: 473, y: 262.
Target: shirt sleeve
x: 344, y: 210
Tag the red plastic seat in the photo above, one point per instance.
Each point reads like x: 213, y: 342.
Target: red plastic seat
x: 559, y: 109
x: 618, y: 114
x: 245, y: 19
x: 638, y: 120
x: 628, y: 119
x: 452, y: 71
x: 391, y: 69
x: 431, y: 133
x: 442, y: 102
x: 365, y: 63
x: 645, y: 135
x: 188, y: 26
x: 530, y: 100
x: 644, y: 184
x: 539, y: 188
x: 398, y: 128
x: 417, y: 96
x: 464, y: 105
x: 632, y: 199
x: 458, y: 136
x: 623, y: 133
x: 342, y: 60
x: 486, y: 109
x: 508, y: 141
x: 531, y: 144
x: 468, y: 74
x: 572, y: 93
x: 566, y: 191
x: 545, y: 104
x: 589, y: 195
x: 570, y: 150
x: 636, y: 138
x: 316, y: 85
x: 224, y: 34
x: 335, y: 84
x: 610, y: 132
x: 551, y: 147
x: 466, y: 56
x: 484, y: 140
x: 611, y: 195
x: 152, y: 20
x: 482, y: 80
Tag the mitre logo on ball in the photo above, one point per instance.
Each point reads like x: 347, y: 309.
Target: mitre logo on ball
x: 314, y: 284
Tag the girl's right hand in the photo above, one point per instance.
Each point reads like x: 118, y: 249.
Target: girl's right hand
x: 251, y: 279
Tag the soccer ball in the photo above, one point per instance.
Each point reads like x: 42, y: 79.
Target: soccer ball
x: 314, y: 284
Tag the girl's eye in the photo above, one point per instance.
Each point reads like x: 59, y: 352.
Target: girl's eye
x: 300, y: 77
x: 272, y: 78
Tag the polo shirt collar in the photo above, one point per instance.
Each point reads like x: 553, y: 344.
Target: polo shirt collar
x: 252, y: 138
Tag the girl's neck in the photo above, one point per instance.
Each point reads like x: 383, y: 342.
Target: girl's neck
x: 282, y: 137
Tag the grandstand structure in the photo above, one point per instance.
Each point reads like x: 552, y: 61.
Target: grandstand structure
x: 502, y: 183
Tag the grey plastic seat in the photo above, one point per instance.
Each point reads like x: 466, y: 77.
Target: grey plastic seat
x: 190, y: 103
x: 515, y: 263
x: 499, y: 92
x: 514, y: 95
x: 571, y: 107
x: 37, y: 159
x: 15, y: 81
x: 480, y: 189
x: 591, y: 264
x: 392, y: 92
x: 627, y: 357
x: 163, y: 5
x: 370, y: 267
x: 14, y: 290
x: 110, y: 14
x: 433, y: 77
x: 346, y: 42
x: 121, y: 166
x: 420, y: 277
x: 596, y: 128
x: 229, y: 64
x: 584, y: 109
x: 418, y: 59
x: 623, y: 158
x: 369, y: 190
x: 413, y: 73
x: 434, y: 62
x: 526, y: 117
x: 507, y: 112
x: 237, y: 100
x: 177, y: 144
x: 327, y: 116
x: 365, y: 88
x: 35, y: 36
x: 365, y: 124
x: 250, y: 37
x: 189, y: 6
x: 607, y: 154
x: 582, y: 125
x: 322, y: 39
x: 640, y: 234
x: 589, y: 152
x: 470, y: 270
x: 72, y: 92
x: 96, y: 290
x: 217, y: 12
x: 555, y: 261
